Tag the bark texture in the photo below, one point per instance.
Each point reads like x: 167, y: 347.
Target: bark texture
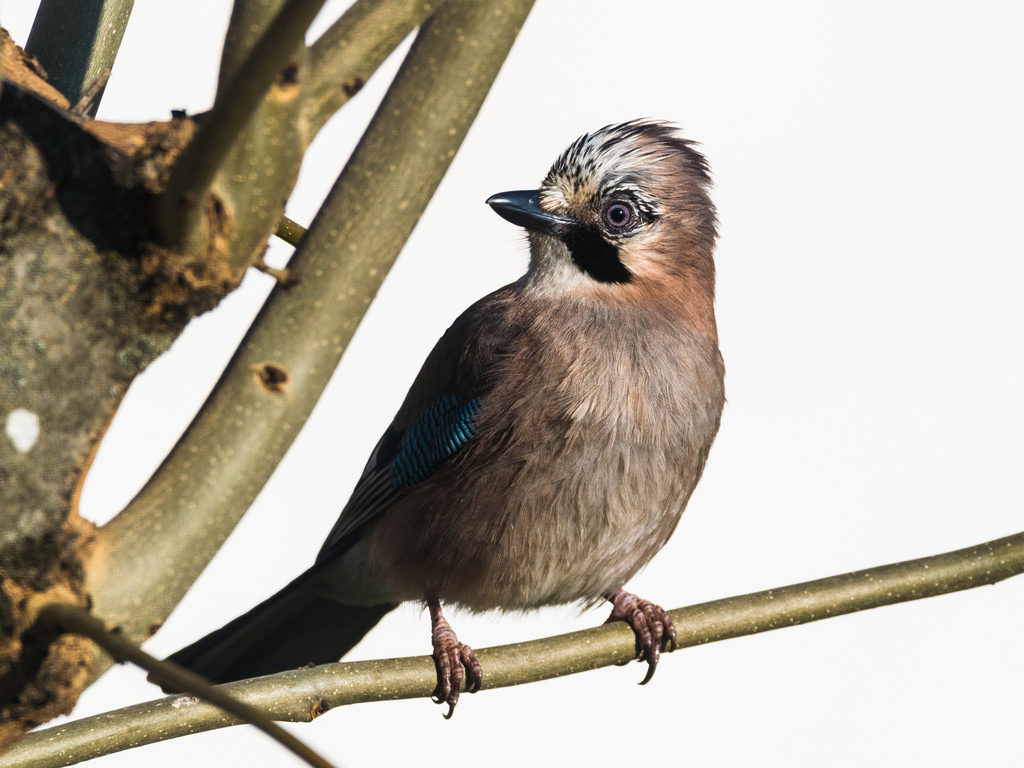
x: 87, y: 300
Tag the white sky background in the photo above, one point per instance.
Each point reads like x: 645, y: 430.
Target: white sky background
x: 868, y: 163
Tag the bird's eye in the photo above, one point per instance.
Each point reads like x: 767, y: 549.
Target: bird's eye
x: 619, y: 215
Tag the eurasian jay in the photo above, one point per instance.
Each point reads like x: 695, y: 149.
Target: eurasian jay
x: 548, y: 446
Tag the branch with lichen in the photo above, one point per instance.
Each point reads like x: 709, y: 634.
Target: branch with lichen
x: 303, y: 695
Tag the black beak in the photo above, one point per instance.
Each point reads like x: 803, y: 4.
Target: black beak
x: 523, y: 209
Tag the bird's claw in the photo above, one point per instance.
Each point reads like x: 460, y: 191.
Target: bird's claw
x: 455, y: 662
x: 651, y: 624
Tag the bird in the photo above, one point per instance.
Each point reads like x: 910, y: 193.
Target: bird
x: 549, y: 444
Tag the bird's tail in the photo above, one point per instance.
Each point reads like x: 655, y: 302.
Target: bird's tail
x: 293, y: 628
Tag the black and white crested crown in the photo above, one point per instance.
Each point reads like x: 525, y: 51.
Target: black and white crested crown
x: 630, y: 152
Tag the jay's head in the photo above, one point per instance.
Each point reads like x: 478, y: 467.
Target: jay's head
x: 624, y: 211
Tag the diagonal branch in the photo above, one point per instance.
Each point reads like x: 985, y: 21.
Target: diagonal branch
x: 345, y: 56
x: 75, y: 42
x: 57, y: 618
x: 303, y: 695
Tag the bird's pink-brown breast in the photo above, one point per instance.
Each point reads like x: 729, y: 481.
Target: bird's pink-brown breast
x: 606, y: 420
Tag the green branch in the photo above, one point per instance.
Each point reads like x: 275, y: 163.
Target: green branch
x: 302, y: 695
x: 55, y: 619
x: 241, y: 92
x: 290, y: 231
x: 75, y: 42
x: 345, y: 56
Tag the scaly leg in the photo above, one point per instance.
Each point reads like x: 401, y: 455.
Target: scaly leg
x: 452, y: 660
x: 655, y: 632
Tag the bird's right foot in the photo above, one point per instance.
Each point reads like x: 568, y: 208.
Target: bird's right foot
x: 653, y: 626
x: 455, y: 662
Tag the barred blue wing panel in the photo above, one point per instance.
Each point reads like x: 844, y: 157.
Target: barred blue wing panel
x: 438, y: 433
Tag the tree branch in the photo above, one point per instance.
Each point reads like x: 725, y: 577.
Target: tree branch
x: 246, y: 78
x: 76, y: 41
x: 55, y: 619
x: 290, y: 231
x: 345, y: 56
x: 302, y: 695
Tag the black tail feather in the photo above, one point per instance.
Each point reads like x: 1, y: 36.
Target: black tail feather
x: 293, y: 628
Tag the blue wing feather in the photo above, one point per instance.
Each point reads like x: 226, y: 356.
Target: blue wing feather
x: 403, y: 459
x: 439, y: 417
x: 439, y: 432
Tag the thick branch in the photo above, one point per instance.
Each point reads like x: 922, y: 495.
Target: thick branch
x: 270, y: 386
x: 85, y: 304
x: 303, y: 695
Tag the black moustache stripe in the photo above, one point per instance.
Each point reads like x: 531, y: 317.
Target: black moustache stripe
x: 596, y: 256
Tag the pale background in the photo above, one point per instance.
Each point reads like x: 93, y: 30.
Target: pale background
x: 868, y: 159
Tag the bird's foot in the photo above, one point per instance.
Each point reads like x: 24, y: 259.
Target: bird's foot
x: 453, y: 660
x: 654, y: 629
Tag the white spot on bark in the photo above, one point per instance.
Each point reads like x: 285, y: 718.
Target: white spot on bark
x: 23, y: 429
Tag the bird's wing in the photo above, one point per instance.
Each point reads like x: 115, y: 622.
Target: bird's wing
x: 404, y: 458
x: 437, y: 419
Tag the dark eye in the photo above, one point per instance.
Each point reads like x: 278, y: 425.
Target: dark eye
x: 619, y: 214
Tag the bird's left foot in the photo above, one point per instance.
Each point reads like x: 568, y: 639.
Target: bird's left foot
x: 454, y: 661
x: 654, y: 629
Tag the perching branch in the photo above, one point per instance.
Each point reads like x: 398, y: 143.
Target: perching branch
x: 302, y: 695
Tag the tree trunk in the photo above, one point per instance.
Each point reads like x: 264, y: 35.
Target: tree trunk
x: 86, y: 302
